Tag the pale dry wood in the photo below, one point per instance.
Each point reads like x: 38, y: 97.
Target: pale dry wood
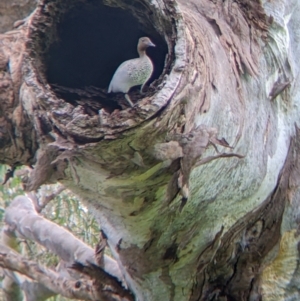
x: 22, y: 218
x: 14, y: 283
x: 82, y: 289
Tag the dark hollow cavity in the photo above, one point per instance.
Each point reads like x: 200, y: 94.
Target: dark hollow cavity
x: 92, y: 41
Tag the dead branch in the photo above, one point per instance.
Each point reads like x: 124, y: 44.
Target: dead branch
x: 82, y: 289
x: 22, y: 217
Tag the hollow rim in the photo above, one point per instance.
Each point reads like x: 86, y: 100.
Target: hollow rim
x: 104, y: 125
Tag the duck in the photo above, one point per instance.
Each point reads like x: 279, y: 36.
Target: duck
x: 133, y: 72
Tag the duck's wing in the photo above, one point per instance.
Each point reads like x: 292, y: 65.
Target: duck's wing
x: 123, y: 78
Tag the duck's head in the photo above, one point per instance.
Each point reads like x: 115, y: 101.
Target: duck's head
x: 144, y: 43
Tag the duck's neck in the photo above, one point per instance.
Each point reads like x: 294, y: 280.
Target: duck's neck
x: 142, y: 52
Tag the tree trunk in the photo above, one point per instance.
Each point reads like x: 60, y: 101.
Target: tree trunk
x: 196, y: 187
x: 12, y: 12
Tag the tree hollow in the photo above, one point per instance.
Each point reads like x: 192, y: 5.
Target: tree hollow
x: 75, y: 46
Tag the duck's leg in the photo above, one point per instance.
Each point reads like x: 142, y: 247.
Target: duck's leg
x: 141, y: 90
x: 128, y: 99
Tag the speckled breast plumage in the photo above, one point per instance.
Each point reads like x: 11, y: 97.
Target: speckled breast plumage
x: 141, y: 72
x: 131, y: 73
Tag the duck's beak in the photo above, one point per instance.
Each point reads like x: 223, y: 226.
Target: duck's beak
x: 150, y: 44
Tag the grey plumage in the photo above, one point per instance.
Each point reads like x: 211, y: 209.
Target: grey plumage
x: 133, y: 72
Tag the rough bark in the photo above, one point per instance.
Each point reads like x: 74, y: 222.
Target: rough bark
x: 23, y: 221
x: 12, y: 13
x: 77, y: 289
x: 22, y: 218
x: 181, y: 225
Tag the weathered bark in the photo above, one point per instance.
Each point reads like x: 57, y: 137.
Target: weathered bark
x: 22, y: 218
x: 12, y: 13
x: 23, y: 221
x: 181, y: 225
x: 13, y: 283
x: 83, y: 289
